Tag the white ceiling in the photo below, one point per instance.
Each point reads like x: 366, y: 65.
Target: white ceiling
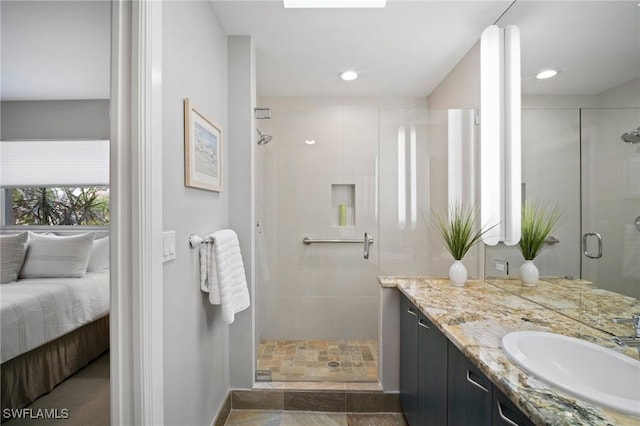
x: 405, y: 49
x: 60, y: 50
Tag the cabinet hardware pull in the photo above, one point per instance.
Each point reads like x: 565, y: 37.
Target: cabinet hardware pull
x: 411, y: 312
x: 505, y: 418
x: 473, y: 382
x: 421, y: 323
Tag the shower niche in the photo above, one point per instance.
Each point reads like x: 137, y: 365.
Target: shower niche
x: 343, y: 206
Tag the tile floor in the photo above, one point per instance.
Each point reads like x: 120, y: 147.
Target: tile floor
x: 312, y: 418
x: 318, y: 360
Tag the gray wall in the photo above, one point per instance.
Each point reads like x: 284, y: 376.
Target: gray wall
x: 61, y: 119
x: 196, y: 340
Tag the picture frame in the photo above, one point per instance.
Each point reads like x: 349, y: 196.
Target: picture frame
x: 202, y: 150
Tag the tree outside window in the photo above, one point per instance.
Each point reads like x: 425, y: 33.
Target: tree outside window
x: 60, y: 206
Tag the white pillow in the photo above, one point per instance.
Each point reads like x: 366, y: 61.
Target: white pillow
x: 99, y: 259
x: 12, y: 251
x: 52, y: 256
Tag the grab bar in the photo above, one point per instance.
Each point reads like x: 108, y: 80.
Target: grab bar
x: 308, y: 241
x: 367, y: 240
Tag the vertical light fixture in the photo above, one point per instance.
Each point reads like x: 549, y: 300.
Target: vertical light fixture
x: 413, y: 185
x: 500, y: 172
x: 402, y: 176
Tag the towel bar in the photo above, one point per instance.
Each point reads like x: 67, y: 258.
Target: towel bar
x: 196, y: 241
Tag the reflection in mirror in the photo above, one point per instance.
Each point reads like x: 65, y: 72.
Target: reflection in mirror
x: 573, y: 155
x: 461, y: 143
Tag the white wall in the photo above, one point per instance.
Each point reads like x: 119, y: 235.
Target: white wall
x: 196, y: 341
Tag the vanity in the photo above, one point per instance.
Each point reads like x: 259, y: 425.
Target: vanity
x: 454, y: 371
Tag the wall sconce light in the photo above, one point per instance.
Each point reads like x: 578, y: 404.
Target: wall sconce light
x: 500, y: 157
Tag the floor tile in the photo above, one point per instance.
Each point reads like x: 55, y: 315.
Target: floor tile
x: 254, y: 418
x: 303, y: 418
x: 394, y: 419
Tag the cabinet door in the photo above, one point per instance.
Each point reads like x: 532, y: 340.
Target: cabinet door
x: 432, y: 374
x: 505, y: 412
x: 409, y: 361
x: 469, y: 391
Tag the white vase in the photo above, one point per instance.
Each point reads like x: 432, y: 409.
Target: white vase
x: 529, y: 273
x: 458, y: 273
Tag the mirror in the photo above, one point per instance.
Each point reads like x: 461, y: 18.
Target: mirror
x: 573, y: 155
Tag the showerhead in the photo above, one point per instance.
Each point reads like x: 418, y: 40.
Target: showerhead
x: 263, y: 138
x: 632, y: 136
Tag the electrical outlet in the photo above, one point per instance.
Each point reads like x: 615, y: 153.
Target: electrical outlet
x: 501, y: 266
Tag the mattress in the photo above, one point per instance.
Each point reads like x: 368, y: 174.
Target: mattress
x: 38, y: 310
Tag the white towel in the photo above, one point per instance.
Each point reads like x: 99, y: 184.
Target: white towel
x: 230, y: 290
x: 631, y: 252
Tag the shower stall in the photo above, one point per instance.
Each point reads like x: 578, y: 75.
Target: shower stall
x: 321, y: 205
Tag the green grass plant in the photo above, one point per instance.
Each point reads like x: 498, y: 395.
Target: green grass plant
x: 538, y: 221
x: 460, y: 229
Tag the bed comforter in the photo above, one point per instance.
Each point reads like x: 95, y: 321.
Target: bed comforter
x: 38, y: 310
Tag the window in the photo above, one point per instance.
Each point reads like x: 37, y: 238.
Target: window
x: 88, y: 205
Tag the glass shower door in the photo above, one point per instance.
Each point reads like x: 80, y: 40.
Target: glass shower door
x: 610, y: 200
x: 318, y: 303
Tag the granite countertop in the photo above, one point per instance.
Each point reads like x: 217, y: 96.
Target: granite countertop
x: 476, y: 317
x: 580, y: 300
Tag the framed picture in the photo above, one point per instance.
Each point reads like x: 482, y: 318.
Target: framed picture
x: 202, y: 151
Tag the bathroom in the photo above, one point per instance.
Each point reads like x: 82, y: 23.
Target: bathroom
x: 385, y: 160
x: 340, y: 160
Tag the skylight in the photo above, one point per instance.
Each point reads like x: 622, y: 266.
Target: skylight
x: 333, y: 4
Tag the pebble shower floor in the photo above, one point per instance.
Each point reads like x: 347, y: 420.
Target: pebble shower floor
x: 318, y: 360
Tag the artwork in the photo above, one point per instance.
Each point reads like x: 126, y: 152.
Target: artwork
x: 202, y: 151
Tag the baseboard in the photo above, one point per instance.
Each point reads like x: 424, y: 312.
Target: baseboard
x: 223, y: 411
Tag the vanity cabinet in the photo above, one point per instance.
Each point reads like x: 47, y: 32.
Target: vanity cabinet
x: 505, y: 413
x: 409, y: 361
x: 470, y: 392
x: 423, y: 369
x: 440, y: 386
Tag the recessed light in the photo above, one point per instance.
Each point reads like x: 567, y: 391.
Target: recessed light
x: 544, y: 74
x: 349, y: 75
x: 333, y: 4
x: 309, y: 141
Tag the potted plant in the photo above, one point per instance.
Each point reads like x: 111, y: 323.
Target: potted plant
x: 538, y: 221
x: 460, y: 231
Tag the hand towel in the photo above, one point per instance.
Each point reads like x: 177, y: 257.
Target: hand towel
x: 230, y: 290
x: 631, y: 252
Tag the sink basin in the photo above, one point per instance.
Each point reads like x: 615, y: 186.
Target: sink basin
x: 585, y: 370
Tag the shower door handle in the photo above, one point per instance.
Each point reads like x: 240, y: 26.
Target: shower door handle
x: 368, y: 240
x: 585, y: 238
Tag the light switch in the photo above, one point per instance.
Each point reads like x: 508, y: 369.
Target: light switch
x: 168, y: 246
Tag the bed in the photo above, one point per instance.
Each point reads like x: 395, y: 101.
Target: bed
x: 51, y: 326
